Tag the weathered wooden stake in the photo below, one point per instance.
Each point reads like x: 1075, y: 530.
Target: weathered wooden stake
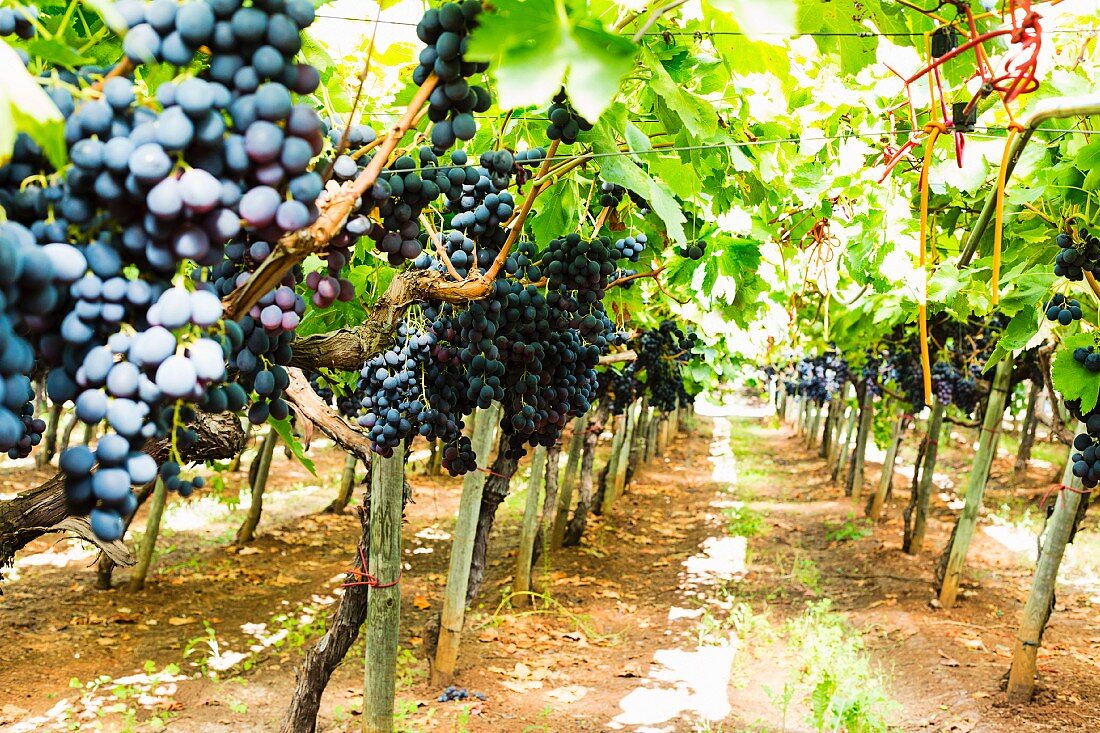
x: 521, y: 582
x: 462, y: 549
x: 1040, y: 599
x: 149, y: 540
x: 618, y: 478
x: 927, y: 472
x: 569, y: 481
x: 887, y: 468
x: 863, y: 436
x: 384, y: 600
x: 247, y: 530
x: 979, y: 474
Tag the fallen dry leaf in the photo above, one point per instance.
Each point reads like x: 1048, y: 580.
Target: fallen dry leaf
x: 180, y: 620
x: 421, y: 602
x: 569, y: 693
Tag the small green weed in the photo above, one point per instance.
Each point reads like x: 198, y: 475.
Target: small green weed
x: 805, y: 573
x: 850, y: 529
x: 844, y: 692
x: 743, y: 521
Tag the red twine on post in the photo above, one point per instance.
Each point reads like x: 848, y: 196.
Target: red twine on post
x: 491, y: 472
x: 366, y: 578
x: 1057, y: 488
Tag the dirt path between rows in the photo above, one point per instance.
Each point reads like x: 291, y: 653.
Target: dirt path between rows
x: 679, y: 613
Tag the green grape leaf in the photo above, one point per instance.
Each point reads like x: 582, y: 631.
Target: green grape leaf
x: 282, y: 427
x: 25, y: 107
x: 758, y: 18
x: 1019, y: 331
x: 56, y: 53
x: 110, y: 15
x: 1072, y: 380
x: 623, y: 171
x: 537, y: 46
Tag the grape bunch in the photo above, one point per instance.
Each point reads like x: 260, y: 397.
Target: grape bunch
x: 820, y: 378
x: 390, y: 384
x: 1074, y: 259
x: 1086, y: 462
x: 18, y: 21
x: 455, y: 693
x: 1063, y: 310
x: 565, y: 123
x: 581, y: 265
x: 631, y: 247
x: 33, y: 279
x: 1088, y: 357
x: 661, y: 353
x: 445, y: 31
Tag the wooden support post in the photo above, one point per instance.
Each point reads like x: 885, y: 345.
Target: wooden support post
x: 569, y: 480
x: 347, y: 483
x: 521, y: 583
x: 979, y: 474
x: 1027, y: 433
x: 618, y: 478
x: 924, y: 487
x: 828, y: 435
x: 815, y: 425
x: 651, y: 436
x: 1040, y: 599
x: 840, y: 457
x: 247, y: 530
x: 641, y: 428
x: 803, y: 411
x: 603, y: 498
x: 887, y: 468
x: 866, y: 416
x: 384, y: 600
x: 462, y: 549
x: 149, y: 540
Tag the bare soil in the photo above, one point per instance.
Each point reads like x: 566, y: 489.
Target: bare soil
x: 634, y: 630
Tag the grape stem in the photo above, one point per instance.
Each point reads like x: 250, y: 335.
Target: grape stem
x: 1091, y: 280
x: 294, y: 247
x: 654, y: 16
x: 122, y: 68
x: 440, y: 252
x: 636, y: 276
x: 517, y: 221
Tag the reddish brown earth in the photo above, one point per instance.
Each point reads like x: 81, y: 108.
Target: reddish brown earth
x: 634, y: 630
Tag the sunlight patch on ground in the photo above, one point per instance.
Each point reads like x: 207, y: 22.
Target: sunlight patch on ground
x: 722, y: 558
x: 698, y: 682
x: 1014, y: 538
x: 151, y: 692
x: 63, y: 552
x: 686, y: 684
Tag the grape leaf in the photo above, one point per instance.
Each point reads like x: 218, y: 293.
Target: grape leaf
x: 758, y: 18
x: 282, y: 427
x: 537, y: 46
x: 110, y: 15
x: 1072, y: 380
x: 25, y: 107
x: 623, y: 171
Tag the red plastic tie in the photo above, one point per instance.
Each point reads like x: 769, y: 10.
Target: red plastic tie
x: 491, y: 472
x: 1058, y: 488
x: 366, y: 577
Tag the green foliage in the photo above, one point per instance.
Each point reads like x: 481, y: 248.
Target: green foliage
x: 286, y: 432
x: 1072, y: 380
x: 743, y: 521
x: 25, y: 107
x: 849, y: 530
x: 844, y: 692
x: 538, y: 46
